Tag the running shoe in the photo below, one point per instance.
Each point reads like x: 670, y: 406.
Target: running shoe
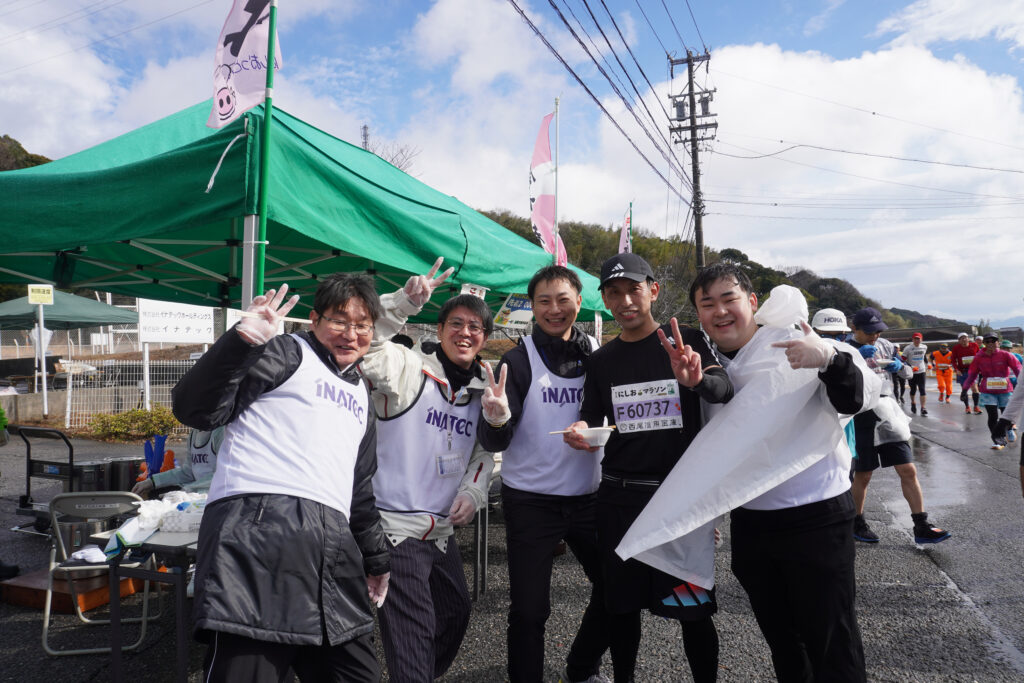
x: 1011, y: 434
x: 927, y: 533
x: 862, y: 532
x: 977, y: 410
x: 998, y: 444
x: 913, y: 408
x: 967, y: 411
x: 596, y: 678
x: 923, y: 412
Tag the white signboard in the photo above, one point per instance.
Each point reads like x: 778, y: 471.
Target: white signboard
x: 516, y: 312
x: 40, y: 294
x: 163, y: 321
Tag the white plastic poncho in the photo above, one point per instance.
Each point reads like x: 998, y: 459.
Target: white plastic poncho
x: 778, y: 423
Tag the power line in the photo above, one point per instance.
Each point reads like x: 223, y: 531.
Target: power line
x: 798, y: 145
x: 871, y: 112
x: 629, y: 107
x: 656, y: 36
x: 883, y: 219
x: 703, y: 44
x: 615, y: 123
x: 49, y: 24
x: 673, y: 22
x: 105, y: 39
x: 668, y: 144
x: 642, y: 73
x: 879, y: 180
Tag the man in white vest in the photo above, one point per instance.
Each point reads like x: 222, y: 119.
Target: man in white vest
x: 548, y: 489
x: 291, y: 549
x: 432, y: 474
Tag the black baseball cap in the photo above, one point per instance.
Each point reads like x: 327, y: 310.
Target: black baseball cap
x: 627, y: 265
x: 990, y: 335
x: 868, y: 320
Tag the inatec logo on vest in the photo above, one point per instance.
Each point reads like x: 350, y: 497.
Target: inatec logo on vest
x: 446, y: 421
x: 562, y: 395
x: 339, y: 396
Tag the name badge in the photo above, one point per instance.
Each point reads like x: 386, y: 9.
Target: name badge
x: 450, y: 465
x: 998, y: 383
x: 647, y: 406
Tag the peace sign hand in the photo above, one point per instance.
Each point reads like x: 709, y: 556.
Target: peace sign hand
x: 494, y: 401
x: 419, y: 288
x: 686, y: 363
x: 263, y: 316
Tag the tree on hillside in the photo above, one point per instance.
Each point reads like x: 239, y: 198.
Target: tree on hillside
x: 13, y: 156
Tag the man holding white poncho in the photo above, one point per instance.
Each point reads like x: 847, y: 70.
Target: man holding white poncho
x: 784, y: 474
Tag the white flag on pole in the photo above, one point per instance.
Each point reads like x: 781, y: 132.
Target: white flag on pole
x: 239, y: 73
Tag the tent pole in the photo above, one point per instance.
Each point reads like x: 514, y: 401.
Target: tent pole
x: 268, y: 118
x: 42, y: 362
x: 248, y: 258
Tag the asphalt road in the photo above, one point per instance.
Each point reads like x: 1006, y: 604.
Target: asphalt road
x: 948, y: 612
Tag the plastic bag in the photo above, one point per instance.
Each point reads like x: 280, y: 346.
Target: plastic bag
x: 778, y: 423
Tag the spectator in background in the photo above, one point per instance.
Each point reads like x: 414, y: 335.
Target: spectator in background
x: 195, y: 472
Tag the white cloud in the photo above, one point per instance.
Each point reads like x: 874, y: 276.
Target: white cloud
x: 928, y: 21
x: 819, y: 21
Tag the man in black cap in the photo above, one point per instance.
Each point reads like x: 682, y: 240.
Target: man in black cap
x: 882, y: 441
x: 652, y: 397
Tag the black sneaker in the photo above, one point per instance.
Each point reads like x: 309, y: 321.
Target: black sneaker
x: 926, y: 533
x: 862, y: 532
x: 913, y: 408
x: 923, y: 412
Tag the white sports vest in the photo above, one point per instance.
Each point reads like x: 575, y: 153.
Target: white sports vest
x: 417, y: 471
x: 537, y: 461
x: 203, y: 456
x: 299, y: 439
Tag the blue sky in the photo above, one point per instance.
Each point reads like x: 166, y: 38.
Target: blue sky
x: 817, y: 95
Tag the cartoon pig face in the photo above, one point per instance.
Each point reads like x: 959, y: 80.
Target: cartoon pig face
x: 225, y: 102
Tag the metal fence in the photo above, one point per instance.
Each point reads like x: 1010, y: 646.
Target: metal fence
x: 116, y: 386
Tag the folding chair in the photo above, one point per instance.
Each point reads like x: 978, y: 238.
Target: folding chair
x: 94, y: 506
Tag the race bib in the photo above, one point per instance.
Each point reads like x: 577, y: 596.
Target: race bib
x: 966, y: 360
x: 450, y: 465
x: 647, y: 406
x: 997, y: 383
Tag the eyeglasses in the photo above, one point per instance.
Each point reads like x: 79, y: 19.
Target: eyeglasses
x: 458, y: 324
x: 361, y: 329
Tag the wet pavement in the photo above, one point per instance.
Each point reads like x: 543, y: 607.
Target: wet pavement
x: 948, y: 612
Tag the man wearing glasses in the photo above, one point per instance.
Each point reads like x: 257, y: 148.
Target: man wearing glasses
x: 291, y: 549
x: 432, y: 472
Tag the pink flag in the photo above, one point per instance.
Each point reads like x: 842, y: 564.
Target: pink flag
x: 542, y: 194
x: 626, y: 237
x: 240, y: 67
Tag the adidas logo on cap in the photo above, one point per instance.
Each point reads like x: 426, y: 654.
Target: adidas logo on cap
x: 617, y: 267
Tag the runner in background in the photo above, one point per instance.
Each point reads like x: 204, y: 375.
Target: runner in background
x: 993, y: 368
x: 964, y: 352
x: 1013, y: 414
x: 915, y: 354
x: 943, y: 362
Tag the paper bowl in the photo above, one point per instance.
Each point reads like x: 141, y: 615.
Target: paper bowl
x: 596, y: 436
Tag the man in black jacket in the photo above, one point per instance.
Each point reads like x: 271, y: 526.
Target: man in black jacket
x: 291, y: 549
x: 548, y: 490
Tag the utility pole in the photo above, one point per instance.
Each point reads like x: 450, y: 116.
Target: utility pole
x: 685, y: 130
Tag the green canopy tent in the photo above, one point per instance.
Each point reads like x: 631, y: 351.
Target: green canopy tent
x: 67, y: 312
x: 168, y: 212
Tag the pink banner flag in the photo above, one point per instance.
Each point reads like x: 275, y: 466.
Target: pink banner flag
x: 542, y: 194
x: 240, y: 71
x: 626, y: 238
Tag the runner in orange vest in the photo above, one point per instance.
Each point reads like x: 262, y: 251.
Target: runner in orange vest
x: 943, y: 362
